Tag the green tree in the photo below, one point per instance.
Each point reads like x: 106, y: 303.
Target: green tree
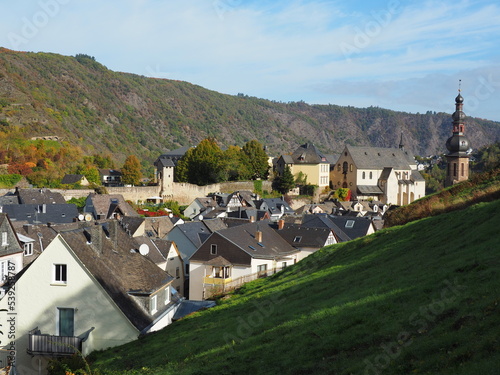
x: 284, y: 183
x: 234, y: 165
x: 90, y: 172
x: 257, y: 160
x: 131, y: 171
x: 202, y: 165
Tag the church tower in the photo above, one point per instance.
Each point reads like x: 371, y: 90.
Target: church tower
x: 457, y: 145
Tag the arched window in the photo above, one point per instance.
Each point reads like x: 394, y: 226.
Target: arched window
x: 454, y: 169
x: 350, y: 167
x: 345, y: 166
x: 338, y: 167
x: 371, y: 175
x: 462, y: 169
x: 363, y: 177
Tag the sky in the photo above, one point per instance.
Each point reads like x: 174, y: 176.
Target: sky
x: 396, y: 54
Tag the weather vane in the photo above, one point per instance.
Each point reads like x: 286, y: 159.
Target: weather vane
x: 459, y: 85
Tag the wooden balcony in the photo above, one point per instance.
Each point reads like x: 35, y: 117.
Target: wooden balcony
x: 216, y: 280
x: 54, y: 346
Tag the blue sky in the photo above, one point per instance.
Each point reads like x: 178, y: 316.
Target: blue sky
x: 396, y: 54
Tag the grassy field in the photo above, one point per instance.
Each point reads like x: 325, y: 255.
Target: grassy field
x: 415, y: 299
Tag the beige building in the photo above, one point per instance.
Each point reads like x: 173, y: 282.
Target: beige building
x: 388, y: 175
x: 308, y: 160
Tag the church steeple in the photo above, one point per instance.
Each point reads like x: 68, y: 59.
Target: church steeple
x: 457, y: 145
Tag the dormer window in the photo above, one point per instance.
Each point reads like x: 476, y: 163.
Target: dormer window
x: 28, y: 249
x: 213, y: 249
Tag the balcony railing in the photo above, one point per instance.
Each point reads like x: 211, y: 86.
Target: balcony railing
x: 216, y: 280
x: 42, y: 344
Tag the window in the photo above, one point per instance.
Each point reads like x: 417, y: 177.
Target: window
x: 462, y: 172
x: 213, y: 249
x: 338, y: 167
x: 28, y: 248
x: 177, y: 273
x: 283, y: 265
x: 349, y: 223
x: 4, y: 239
x: 350, y: 168
x: 60, y: 273
x: 167, y: 295
x: 262, y: 270
x: 66, y: 324
x: 297, y: 239
x: 153, y: 304
x: 363, y: 176
x: 371, y: 175
x: 454, y: 169
x: 187, y: 269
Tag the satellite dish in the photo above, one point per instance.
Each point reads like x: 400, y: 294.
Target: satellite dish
x: 144, y: 249
x: 80, y: 217
x: 170, y: 215
x: 88, y: 217
x: 200, y: 217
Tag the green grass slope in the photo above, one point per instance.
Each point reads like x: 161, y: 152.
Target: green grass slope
x: 481, y: 187
x: 415, y: 299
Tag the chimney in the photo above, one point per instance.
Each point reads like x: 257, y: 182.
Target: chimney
x: 252, y: 218
x: 96, y: 238
x: 113, y: 231
x: 281, y: 224
x: 258, y: 236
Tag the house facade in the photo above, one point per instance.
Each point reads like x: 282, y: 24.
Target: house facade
x: 233, y: 256
x: 310, y: 161
x: 388, y: 175
x: 85, y: 292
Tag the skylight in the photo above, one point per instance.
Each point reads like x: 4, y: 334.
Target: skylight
x: 349, y: 223
x: 297, y: 239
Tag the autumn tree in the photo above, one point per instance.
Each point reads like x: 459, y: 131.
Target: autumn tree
x: 131, y: 171
x: 256, y: 159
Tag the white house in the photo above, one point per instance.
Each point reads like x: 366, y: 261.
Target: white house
x: 87, y: 290
x: 388, y: 175
x: 235, y: 255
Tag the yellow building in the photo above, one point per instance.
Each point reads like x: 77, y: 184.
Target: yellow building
x: 308, y: 160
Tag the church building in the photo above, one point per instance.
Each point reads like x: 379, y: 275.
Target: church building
x: 458, y: 146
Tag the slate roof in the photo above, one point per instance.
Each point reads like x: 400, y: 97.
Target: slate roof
x: 198, y: 231
x: 104, y: 204
x: 42, y: 213
x: 299, y: 236
x: 416, y: 176
x: 359, y: 228
x: 13, y: 245
x: 188, y: 307
x: 158, y: 249
x: 164, y: 162
x: 273, y: 206
x: 42, y: 236
x: 173, y: 156
x: 72, y: 178
x: 122, y: 272
x: 39, y: 196
x: 239, y: 244
x: 379, y: 157
x: 158, y: 226
x: 369, y: 189
x: 131, y: 224
x: 323, y: 221
x: 308, y: 154
x: 9, y: 199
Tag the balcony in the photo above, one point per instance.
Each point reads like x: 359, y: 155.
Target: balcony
x: 54, y: 346
x: 216, y: 280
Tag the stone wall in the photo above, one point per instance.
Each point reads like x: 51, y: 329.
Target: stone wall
x: 181, y: 192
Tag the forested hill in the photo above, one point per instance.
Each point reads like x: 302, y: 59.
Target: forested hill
x: 120, y: 114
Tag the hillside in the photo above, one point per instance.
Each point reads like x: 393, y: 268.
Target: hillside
x: 420, y: 298
x: 102, y: 111
x: 481, y: 187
